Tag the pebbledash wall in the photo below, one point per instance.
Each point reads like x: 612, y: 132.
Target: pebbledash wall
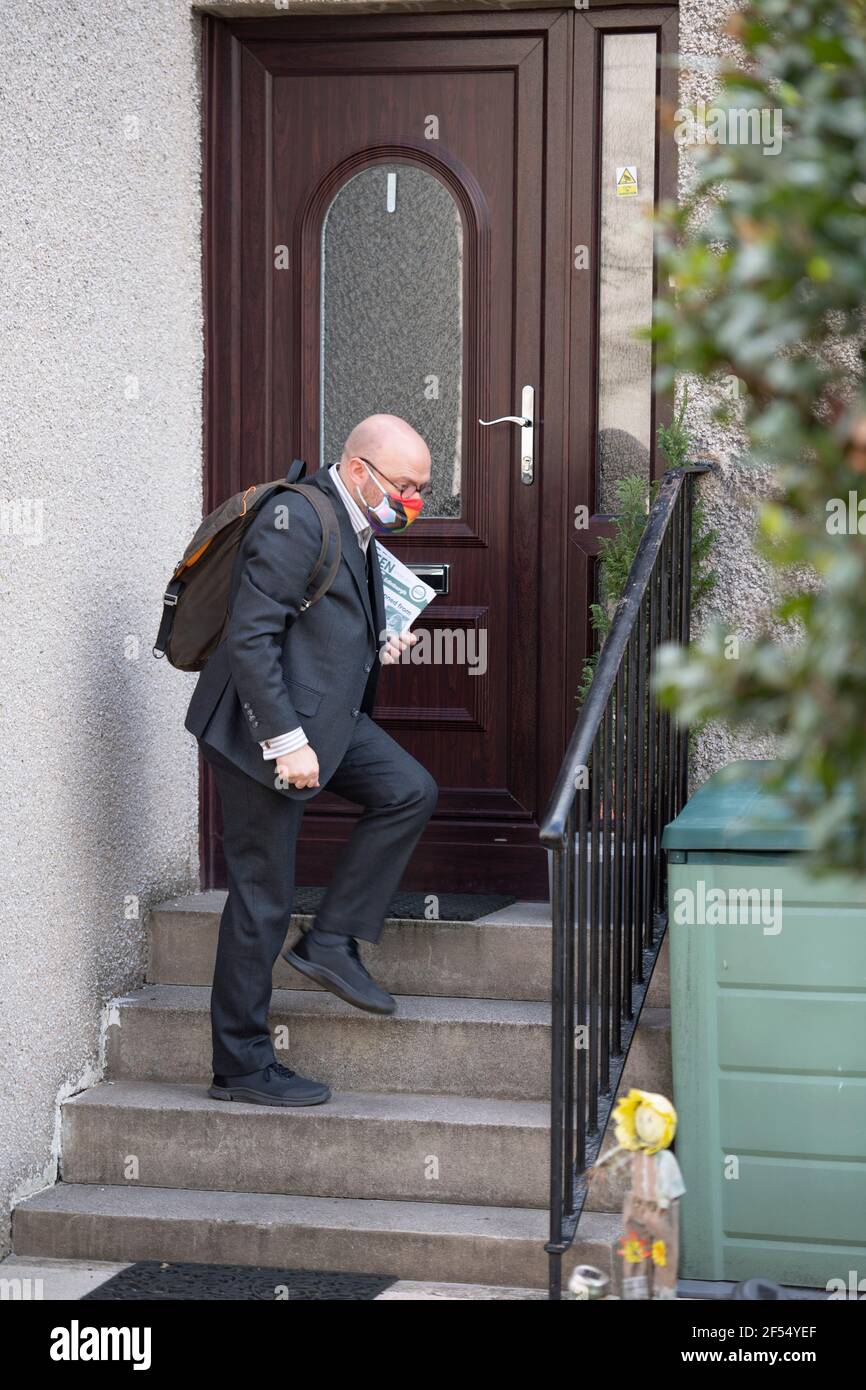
x: 100, y: 487
x: 101, y: 345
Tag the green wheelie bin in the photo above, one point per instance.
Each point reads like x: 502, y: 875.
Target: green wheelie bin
x: 768, y: 1004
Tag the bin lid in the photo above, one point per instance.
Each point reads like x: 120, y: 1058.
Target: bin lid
x: 736, y: 810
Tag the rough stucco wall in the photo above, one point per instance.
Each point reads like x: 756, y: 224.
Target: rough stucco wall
x: 99, y: 125
x: 731, y: 495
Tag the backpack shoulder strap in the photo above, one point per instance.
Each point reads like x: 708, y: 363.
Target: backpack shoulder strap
x: 166, y: 622
x: 324, y: 509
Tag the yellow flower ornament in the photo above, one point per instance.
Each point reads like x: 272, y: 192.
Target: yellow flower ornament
x: 645, y: 1122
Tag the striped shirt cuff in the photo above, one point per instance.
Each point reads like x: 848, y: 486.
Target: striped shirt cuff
x: 284, y: 743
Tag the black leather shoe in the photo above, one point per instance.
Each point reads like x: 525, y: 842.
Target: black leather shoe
x: 275, y: 1085
x: 332, y: 960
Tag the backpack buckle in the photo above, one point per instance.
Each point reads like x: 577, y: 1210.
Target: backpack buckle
x: 170, y: 599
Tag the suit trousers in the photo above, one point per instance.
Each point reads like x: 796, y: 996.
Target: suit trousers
x: 260, y: 832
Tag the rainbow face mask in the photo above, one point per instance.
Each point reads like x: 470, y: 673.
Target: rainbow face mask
x: 394, y: 513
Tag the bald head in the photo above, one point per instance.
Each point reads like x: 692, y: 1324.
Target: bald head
x: 396, y: 451
x: 386, y: 439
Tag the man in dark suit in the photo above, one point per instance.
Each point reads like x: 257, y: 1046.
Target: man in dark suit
x: 283, y: 708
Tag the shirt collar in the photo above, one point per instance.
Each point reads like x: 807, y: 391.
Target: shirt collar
x: 360, y: 525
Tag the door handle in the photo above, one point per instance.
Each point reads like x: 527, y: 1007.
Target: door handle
x: 526, y: 421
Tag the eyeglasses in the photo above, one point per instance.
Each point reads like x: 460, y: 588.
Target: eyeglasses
x: 407, y: 490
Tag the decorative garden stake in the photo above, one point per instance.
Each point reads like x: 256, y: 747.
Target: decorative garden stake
x: 649, y: 1246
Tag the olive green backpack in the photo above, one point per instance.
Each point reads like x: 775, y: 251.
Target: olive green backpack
x: 195, y: 610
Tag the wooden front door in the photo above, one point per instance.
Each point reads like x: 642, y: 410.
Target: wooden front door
x: 387, y: 230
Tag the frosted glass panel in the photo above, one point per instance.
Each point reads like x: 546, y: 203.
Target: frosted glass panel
x: 392, y: 316
x: 627, y: 195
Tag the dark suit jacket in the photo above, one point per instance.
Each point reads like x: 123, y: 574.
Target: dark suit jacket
x: 277, y: 668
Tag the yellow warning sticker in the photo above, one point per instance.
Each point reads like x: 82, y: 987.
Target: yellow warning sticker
x: 626, y: 181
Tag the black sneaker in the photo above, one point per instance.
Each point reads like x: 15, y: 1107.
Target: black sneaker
x: 275, y: 1085
x: 332, y: 960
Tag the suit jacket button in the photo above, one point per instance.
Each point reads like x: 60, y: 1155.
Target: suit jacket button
x: 368, y: 666
x: 355, y: 713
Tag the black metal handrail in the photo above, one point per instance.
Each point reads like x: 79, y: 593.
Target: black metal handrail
x: 623, y: 778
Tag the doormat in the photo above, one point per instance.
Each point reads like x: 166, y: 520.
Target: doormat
x: 163, y: 1281
x: 453, y: 907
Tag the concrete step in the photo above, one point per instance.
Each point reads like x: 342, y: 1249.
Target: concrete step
x: 505, y: 955
x: 438, y: 1046
x: 464, y: 1047
x: 54, y: 1281
x: 382, y: 1146
x: 430, y: 1241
